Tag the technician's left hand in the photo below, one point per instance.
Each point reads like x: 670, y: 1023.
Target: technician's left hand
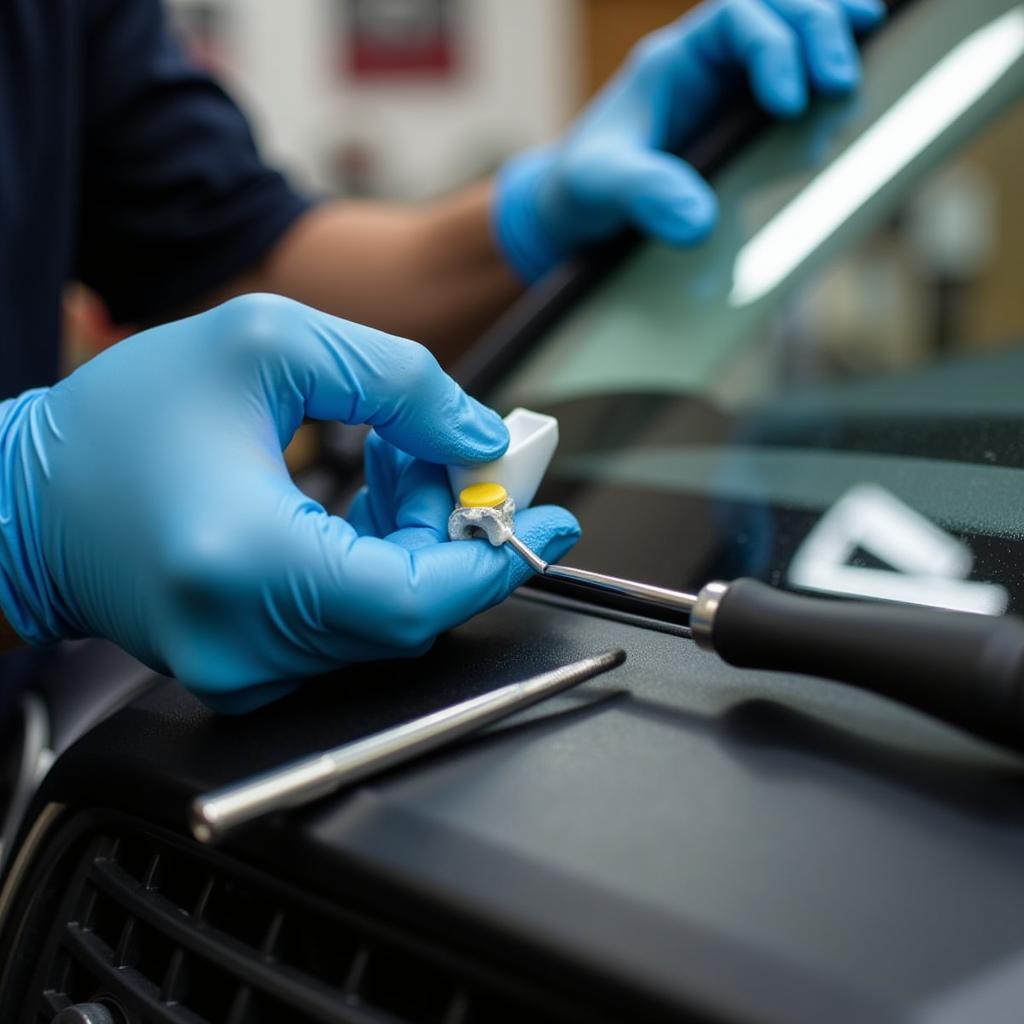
x: 145, y: 499
x: 613, y: 168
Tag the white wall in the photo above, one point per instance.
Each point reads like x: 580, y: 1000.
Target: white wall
x: 516, y: 86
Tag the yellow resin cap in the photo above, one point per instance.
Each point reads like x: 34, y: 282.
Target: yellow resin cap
x: 482, y: 496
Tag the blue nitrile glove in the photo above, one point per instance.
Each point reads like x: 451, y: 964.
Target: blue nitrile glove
x: 145, y: 499
x: 613, y: 167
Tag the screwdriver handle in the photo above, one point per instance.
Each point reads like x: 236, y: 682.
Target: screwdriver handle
x: 964, y: 668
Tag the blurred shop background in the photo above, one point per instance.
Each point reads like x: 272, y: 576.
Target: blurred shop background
x: 396, y: 99
x: 409, y: 99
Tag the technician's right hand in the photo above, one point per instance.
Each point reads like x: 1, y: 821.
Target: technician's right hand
x: 145, y: 499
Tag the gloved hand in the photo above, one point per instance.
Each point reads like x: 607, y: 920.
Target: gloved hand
x: 613, y: 167
x: 145, y: 499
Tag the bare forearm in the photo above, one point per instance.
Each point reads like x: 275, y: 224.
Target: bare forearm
x: 432, y: 272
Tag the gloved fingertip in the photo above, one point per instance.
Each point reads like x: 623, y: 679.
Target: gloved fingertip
x: 838, y: 73
x: 541, y: 520
x: 559, y: 545
x: 781, y: 91
x: 683, y: 233
x: 549, y: 530
x: 865, y: 14
x: 485, y: 433
x: 682, y: 217
x: 689, y: 222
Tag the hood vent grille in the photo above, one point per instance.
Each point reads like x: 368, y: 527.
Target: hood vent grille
x: 162, y: 932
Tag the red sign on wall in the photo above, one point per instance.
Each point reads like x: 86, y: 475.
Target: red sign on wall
x: 400, y: 37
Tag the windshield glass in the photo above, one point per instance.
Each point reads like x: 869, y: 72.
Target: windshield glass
x: 829, y: 394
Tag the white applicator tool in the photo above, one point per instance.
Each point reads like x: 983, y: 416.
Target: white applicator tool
x: 533, y: 438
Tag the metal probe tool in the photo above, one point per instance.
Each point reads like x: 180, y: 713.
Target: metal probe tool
x: 965, y: 668
x: 309, y: 778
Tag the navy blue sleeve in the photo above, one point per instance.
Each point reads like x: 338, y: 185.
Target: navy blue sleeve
x: 174, y: 199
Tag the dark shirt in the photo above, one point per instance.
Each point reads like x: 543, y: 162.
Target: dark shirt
x: 121, y: 165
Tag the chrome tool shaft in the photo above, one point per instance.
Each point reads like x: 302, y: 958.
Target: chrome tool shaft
x: 675, y: 599
x: 308, y: 779
x: 973, y: 664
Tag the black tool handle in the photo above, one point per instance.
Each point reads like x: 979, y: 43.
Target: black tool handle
x: 966, y: 669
